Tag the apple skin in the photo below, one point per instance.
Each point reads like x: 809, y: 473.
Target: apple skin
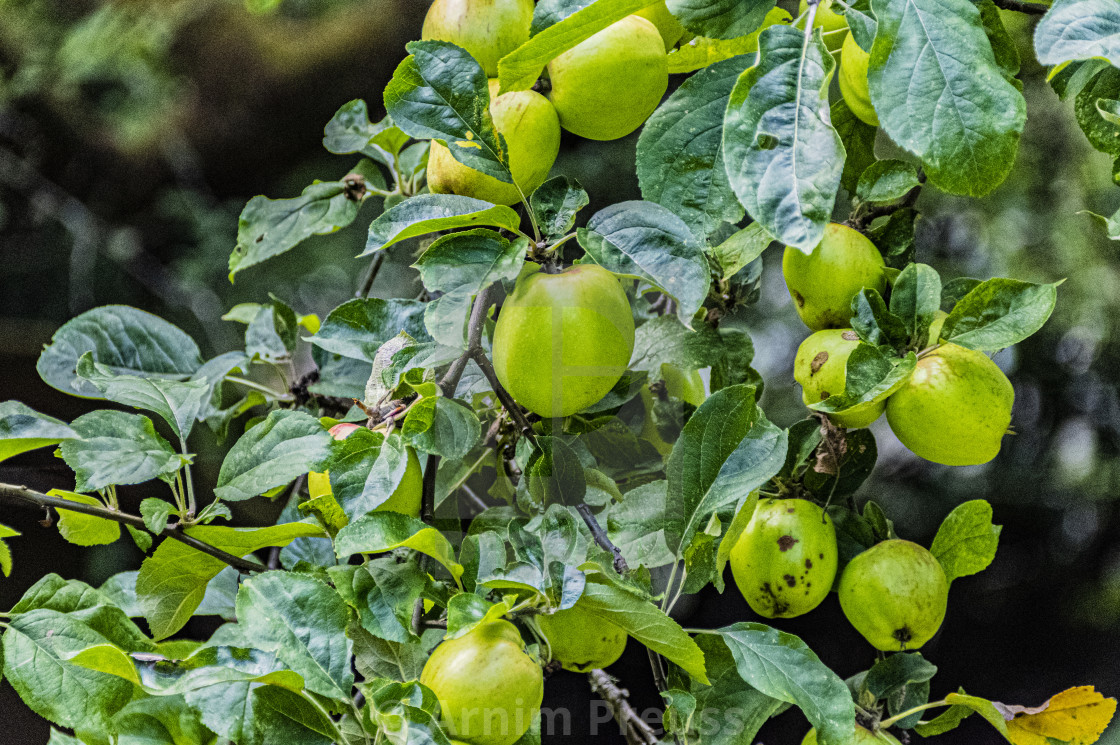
x: 607, y: 86
x: 895, y: 594
x: 820, y: 369
x: 784, y: 562
x: 405, y: 499
x: 834, y: 25
x: 667, y: 24
x: 531, y: 129
x: 487, y: 29
x: 823, y: 282
x: 581, y: 641
x: 954, y: 409
x: 853, y: 81
x: 863, y: 737
x: 563, y: 340
x: 489, y: 689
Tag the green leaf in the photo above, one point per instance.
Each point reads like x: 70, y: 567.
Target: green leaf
x: 304, y: 622
x: 645, y: 622
x: 357, y: 328
x: 887, y: 181
x: 916, y: 297
x: 172, y: 581
x: 1092, y: 106
x: 870, y: 375
x: 720, y: 19
x: 350, y: 131
x: 440, y: 92
x: 467, y: 611
x: 155, y: 513
x: 385, y: 531
x: 519, y: 69
x: 1078, y: 30
x: 384, y: 593
x: 783, y: 667
x: 967, y: 540
x: 284, y: 446
x: 108, y: 659
x: 858, y: 138
x: 556, y: 203
x: 741, y: 248
x: 680, y: 151
x: 555, y: 474
x: 52, y: 592
x: 270, y: 227
x: 1111, y: 225
x: 903, y: 680
x: 782, y: 155
x: 1004, y: 45
x: 665, y: 340
x: 160, y: 720
x: 637, y: 528
x: 379, y: 658
x: 116, y: 447
x: 23, y: 429
x: 127, y: 340
x: 431, y: 213
x: 647, y: 241
x: 940, y: 94
x: 453, y: 431
x: 5, y: 552
x: 874, y: 322
x: 81, y: 529
x: 999, y: 313
x: 700, y: 52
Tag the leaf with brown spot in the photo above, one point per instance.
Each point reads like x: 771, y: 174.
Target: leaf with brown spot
x: 1077, y: 716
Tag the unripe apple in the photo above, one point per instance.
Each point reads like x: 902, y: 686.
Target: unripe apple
x: 487, y: 29
x: 563, y: 340
x: 784, y: 562
x: 607, y: 86
x: 820, y: 367
x: 489, y: 689
x: 853, y: 81
x: 863, y: 737
x: 580, y: 641
x: 954, y: 409
x: 895, y: 594
x: 667, y: 24
x: 405, y: 499
x: 834, y: 25
x: 532, y: 133
x: 823, y: 282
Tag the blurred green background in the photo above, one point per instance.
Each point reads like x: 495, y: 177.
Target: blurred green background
x: 132, y: 133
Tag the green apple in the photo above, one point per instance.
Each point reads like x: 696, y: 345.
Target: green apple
x: 895, y: 594
x: 863, y: 737
x: 489, y: 688
x: 405, y: 499
x: 954, y: 409
x: 532, y: 133
x: 784, y: 562
x: 580, y: 641
x: 487, y: 29
x: 820, y: 367
x: 563, y: 340
x: 679, y: 384
x: 853, y: 81
x: 935, y: 327
x: 606, y: 86
x: 834, y: 25
x: 667, y: 24
x: 823, y: 282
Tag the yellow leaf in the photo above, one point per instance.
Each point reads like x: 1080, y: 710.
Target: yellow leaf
x: 1077, y: 716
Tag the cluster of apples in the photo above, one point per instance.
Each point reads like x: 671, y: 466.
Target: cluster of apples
x: 955, y: 407
x: 601, y: 89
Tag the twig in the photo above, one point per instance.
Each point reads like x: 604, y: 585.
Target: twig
x: 371, y: 275
x: 31, y: 497
x: 636, y: 730
x: 1037, y: 9
x: 602, y: 538
x: 475, y: 326
x: 511, y: 406
x: 659, y: 678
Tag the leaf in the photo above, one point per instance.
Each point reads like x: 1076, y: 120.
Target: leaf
x: 378, y: 658
x: 23, y: 429
x: 916, y: 297
x: 556, y: 203
x: 127, y: 340
x: 109, y: 659
x: 870, y: 375
x: 874, y: 322
x: 357, y: 328
x: 440, y: 92
x: 519, y: 69
x: 5, y: 552
x: 700, y: 52
x: 783, y: 667
x: 1111, y: 225
x: 999, y: 313
x: 453, y: 432
x: 555, y: 474
x: 1077, y: 716
x: 741, y: 248
x: 902, y: 679
x: 1078, y: 30
x: 155, y: 513
x: 172, y: 581
x: 304, y: 622
x: 350, y: 131
x: 940, y: 94
x: 967, y: 540
x: 284, y: 446
x: 720, y: 19
x: 430, y: 213
x: 782, y: 155
x: 637, y: 528
x: 81, y: 529
x: 680, y: 151
x: 887, y: 181
x: 385, y: 531
x: 159, y: 720
x: 645, y: 240
x: 115, y: 447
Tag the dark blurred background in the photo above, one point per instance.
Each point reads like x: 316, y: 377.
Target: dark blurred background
x: 133, y: 132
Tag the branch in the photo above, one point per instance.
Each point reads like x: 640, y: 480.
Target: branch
x: 602, y: 539
x: 510, y: 405
x: 475, y: 326
x: 31, y: 497
x: 634, y: 727
x: 1036, y: 9
x: 371, y: 275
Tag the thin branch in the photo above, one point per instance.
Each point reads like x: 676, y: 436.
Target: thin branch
x: 602, y: 538
x: 1036, y: 9
x: 371, y: 275
x: 634, y: 727
x: 475, y: 327
x: 511, y: 406
x: 31, y: 497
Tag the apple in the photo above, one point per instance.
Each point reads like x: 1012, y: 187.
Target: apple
x: 487, y: 29
x: 532, y: 133
x: 853, y: 81
x: 863, y: 737
x: 667, y: 24
x: 954, y: 409
x: 823, y: 282
x: 580, y: 641
x: 895, y: 594
x: 820, y: 367
x: 784, y: 562
x: 834, y: 25
x: 489, y: 688
x: 606, y: 86
x: 563, y: 340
